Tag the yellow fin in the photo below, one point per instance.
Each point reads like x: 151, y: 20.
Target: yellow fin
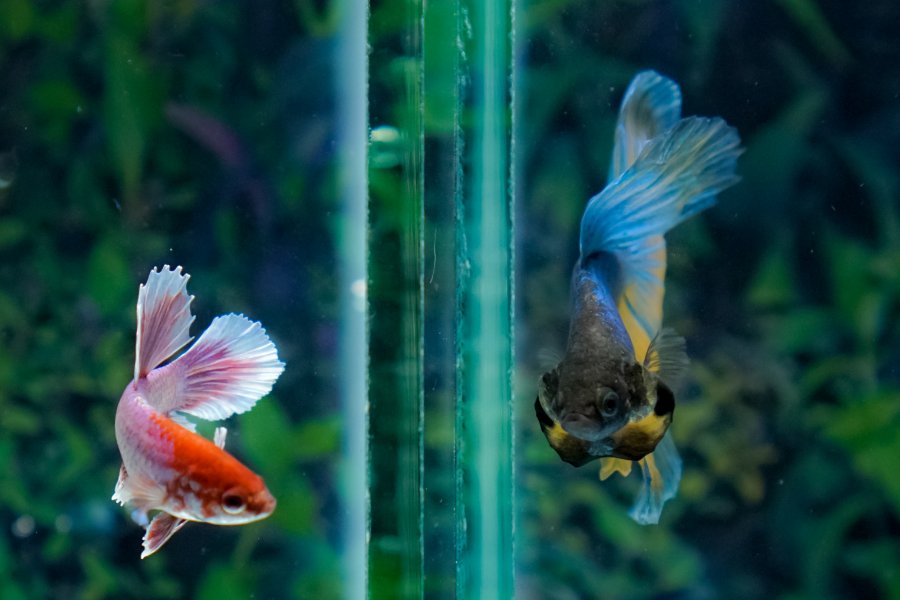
x: 610, y: 465
x: 640, y: 302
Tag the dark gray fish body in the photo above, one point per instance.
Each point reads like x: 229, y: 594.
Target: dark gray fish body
x: 610, y: 396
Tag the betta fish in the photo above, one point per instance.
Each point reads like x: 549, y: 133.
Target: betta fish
x: 611, y: 396
x: 167, y: 467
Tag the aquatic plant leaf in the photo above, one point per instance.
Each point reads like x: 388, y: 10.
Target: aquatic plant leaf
x: 869, y: 429
x: 108, y: 276
x: 267, y: 438
x: 225, y: 582
x: 773, y: 285
x: 808, y: 15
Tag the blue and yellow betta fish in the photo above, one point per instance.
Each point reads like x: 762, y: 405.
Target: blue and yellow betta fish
x: 611, y: 397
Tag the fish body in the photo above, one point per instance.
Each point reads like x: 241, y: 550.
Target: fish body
x: 610, y: 397
x: 167, y: 467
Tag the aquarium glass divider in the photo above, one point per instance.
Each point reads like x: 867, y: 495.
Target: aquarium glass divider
x: 396, y: 274
x: 440, y: 302
x: 486, y: 311
x: 353, y: 184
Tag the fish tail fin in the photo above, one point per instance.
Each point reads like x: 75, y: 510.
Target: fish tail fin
x: 677, y: 174
x: 662, y: 473
x: 163, y: 318
x: 227, y: 370
x: 651, y: 105
x: 161, y: 528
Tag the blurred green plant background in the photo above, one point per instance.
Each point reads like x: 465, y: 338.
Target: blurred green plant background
x: 788, y: 292
x: 135, y: 134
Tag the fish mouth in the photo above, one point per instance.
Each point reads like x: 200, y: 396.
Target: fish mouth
x: 570, y: 449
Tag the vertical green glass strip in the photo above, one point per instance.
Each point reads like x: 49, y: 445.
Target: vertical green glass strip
x: 352, y: 181
x: 486, y: 561
x: 443, y: 143
x: 395, y: 301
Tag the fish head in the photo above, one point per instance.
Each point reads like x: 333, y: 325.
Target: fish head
x: 237, y: 500
x: 232, y: 495
x: 588, y: 411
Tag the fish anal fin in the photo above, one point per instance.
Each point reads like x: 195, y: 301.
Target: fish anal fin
x: 230, y: 367
x: 161, y: 528
x: 662, y: 473
x: 163, y: 318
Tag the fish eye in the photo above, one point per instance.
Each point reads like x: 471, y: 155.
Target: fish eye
x: 609, y: 404
x: 233, y: 503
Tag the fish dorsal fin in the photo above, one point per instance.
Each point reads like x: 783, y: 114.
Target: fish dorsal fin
x: 651, y: 105
x: 161, y: 528
x: 163, y: 318
x: 662, y: 473
x: 667, y: 357
x: 219, y: 437
x: 227, y: 370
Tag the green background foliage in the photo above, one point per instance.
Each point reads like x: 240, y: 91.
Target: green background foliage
x: 135, y: 134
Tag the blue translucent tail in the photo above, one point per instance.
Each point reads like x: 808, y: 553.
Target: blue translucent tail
x: 677, y: 175
x: 652, y: 104
x: 662, y: 472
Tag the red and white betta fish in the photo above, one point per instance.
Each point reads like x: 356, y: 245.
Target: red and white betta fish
x: 166, y: 465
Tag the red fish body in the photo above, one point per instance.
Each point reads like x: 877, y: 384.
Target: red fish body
x: 166, y: 466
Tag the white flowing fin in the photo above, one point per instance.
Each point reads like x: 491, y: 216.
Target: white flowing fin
x: 662, y: 473
x: 651, y: 105
x: 161, y: 529
x: 667, y: 357
x: 227, y: 370
x: 163, y: 318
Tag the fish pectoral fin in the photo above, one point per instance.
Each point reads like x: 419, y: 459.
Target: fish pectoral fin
x: 161, y: 528
x: 667, y: 357
x: 163, y: 318
x: 230, y: 367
